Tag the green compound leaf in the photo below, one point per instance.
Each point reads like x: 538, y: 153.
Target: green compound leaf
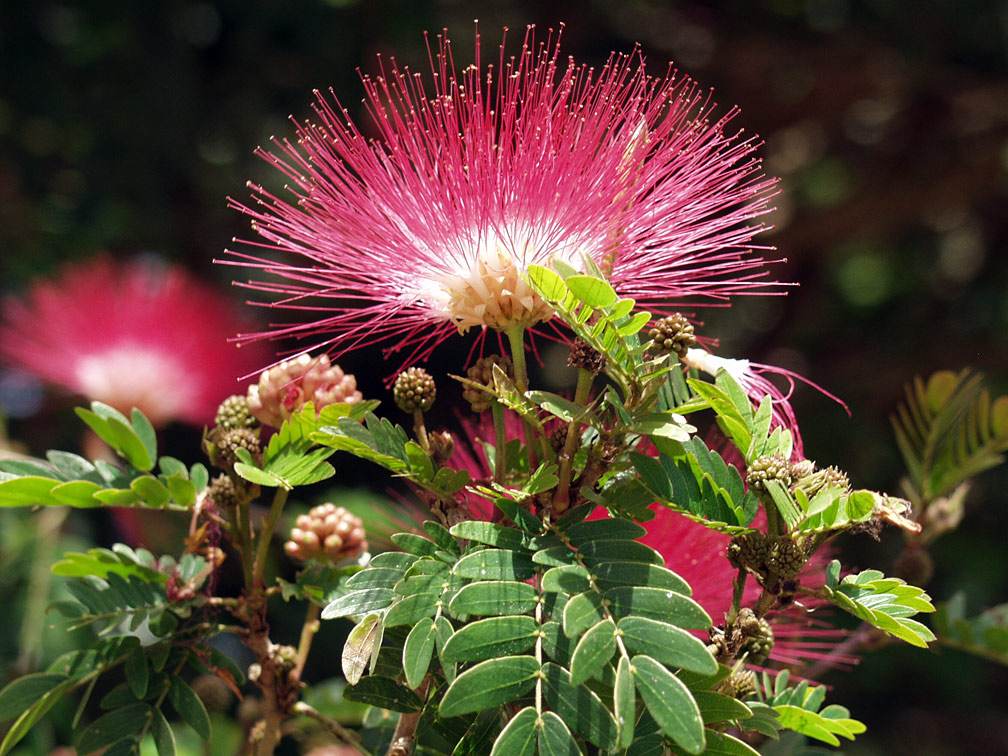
x: 624, y: 702
x: 581, y: 612
x: 358, y: 603
x: 491, y: 683
x: 494, y: 598
x: 110, y: 728
x: 189, y: 706
x: 666, y: 643
x: 984, y: 635
x: 30, y: 716
x: 670, y: 703
x: 818, y: 725
x: 164, y: 738
x: 657, y: 604
x: 417, y: 651
x: 492, y: 637
x: 20, y: 694
x: 518, y: 738
x: 593, y: 651
x: 555, y: 739
x: 495, y: 564
x: 384, y: 693
x: 885, y: 603
x: 578, y: 706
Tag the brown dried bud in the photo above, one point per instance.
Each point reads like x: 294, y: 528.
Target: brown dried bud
x: 584, y: 357
x: 442, y: 446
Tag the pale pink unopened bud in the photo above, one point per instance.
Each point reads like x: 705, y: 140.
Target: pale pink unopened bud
x: 286, y: 388
x: 327, y: 532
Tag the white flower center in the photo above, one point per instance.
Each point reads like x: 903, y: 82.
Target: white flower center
x: 486, y: 288
x: 124, y: 377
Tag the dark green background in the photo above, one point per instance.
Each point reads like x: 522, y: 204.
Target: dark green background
x: 124, y: 125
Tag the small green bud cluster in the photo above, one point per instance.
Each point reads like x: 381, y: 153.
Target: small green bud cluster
x: 228, y: 442
x: 771, y: 560
x: 414, y: 390
x: 741, y: 684
x: 221, y: 492
x: 234, y: 413
x: 757, y: 638
x: 766, y: 468
x: 481, y: 372
x: 673, y: 333
x: 811, y: 481
x: 327, y: 533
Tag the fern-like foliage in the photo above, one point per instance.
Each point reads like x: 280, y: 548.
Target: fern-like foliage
x: 985, y: 634
x: 800, y: 708
x: 948, y: 430
x: 578, y: 630
x: 885, y: 603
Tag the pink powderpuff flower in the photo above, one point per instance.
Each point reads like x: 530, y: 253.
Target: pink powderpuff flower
x: 426, y: 224
x: 752, y: 377
x: 138, y: 334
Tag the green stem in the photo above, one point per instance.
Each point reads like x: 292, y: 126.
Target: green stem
x: 308, y: 630
x: 266, y: 535
x: 561, y: 498
x: 239, y: 518
x: 341, y: 732
x: 736, y: 605
x: 500, y: 441
x: 50, y: 521
x: 516, y: 340
x: 420, y: 430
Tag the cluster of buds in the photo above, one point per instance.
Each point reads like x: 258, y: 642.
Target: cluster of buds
x: 481, y: 372
x: 326, y: 533
x: 583, y: 357
x: 235, y: 429
x: 414, y: 390
x: 673, y: 333
x: 766, y: 468
x: 748, y: 636
x: 286, y: 388
x: 771, y: 560
x: 221, y: 492
x: 234, y: 413
x: 811, y: 480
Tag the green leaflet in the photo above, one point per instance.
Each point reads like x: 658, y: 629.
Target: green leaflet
x: 667, y: 644
x: 494, y: 597
x: 670, y: 703
x: 491, y: 683
x: 593, y: 651
x: 492, y: 637
x: 518, y: 738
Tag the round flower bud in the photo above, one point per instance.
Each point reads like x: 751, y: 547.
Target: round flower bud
x: 286, y: 388
x: 767, y: 468
x: 234, y: 412
x: 481, y: 372
x: 327, y: 533
x: 584, y: 357
x: 785, y: 559
x: 414, y: 390
x: 748, y: 550
x: 228, y: 442
x: 758, y: 643
x: 222, y: 492
x: 672, y: 334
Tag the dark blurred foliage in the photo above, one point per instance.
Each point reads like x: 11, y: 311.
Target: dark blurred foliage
x: 124, y: 125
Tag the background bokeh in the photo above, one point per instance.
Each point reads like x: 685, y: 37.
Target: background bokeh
x: 125, y: 125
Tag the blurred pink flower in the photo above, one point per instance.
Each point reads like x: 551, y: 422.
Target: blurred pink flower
x: 137, y: 334
x: 427, y: 228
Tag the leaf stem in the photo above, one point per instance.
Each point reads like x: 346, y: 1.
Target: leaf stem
x: 516, y: 340
x: 308, y: 630
x: 500, y: 441
x: 266, y: 535
x: 736, y: 605
x: 561, y: 498
x: 343, y: 733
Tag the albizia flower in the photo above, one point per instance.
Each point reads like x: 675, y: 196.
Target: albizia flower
x: 136, y: 334
x: 426, y: 228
